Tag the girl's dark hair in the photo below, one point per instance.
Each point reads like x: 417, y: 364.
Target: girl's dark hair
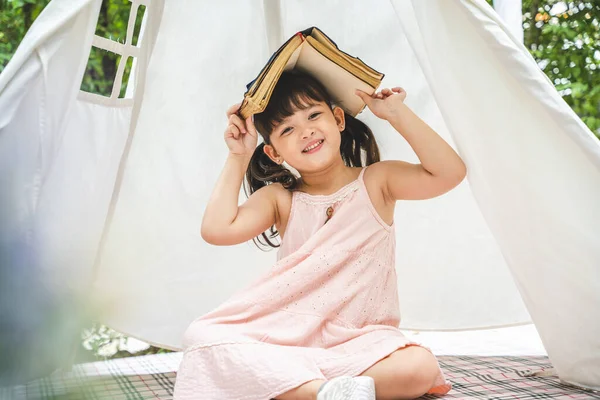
x: 296, y: 90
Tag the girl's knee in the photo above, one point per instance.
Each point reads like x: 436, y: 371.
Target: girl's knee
x: 421, y: 369
x: 405, y: 374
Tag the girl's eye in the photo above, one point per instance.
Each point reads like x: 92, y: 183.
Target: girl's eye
x: 311, y: 116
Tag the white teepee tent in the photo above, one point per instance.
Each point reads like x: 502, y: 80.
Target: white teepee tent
x: 108, y: 193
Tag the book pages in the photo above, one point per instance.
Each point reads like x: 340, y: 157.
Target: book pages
x: 340, y: 83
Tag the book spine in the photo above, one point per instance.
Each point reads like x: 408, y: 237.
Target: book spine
x: 248, y: 108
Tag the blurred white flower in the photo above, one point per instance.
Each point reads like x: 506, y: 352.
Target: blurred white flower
x: 109, y: 349
x: 133, y: 345
x: 558, y: 8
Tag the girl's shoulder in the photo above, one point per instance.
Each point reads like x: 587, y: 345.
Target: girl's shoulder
x: 279, y: 190
x: 374, y: 177
x: 282, y: 198
x: 279, y: 193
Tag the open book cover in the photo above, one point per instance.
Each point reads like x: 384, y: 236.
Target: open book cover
x: 313, y: 52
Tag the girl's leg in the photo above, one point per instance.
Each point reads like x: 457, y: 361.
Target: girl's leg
x: 306, y: 391
x: 407, y: 373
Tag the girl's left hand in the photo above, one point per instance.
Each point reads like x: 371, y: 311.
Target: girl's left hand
x: 385, y: 102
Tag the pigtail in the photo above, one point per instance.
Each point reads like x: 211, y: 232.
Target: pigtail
x: 356, y: 138
x: 263, y: 171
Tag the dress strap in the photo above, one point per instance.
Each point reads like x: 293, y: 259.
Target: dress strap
x: 362, y: 172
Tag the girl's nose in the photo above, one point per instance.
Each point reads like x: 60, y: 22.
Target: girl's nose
x: 309, y: 133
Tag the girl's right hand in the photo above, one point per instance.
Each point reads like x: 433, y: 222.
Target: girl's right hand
x: 241, y: 138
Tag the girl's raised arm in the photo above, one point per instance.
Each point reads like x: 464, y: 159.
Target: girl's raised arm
x: 224, y: 223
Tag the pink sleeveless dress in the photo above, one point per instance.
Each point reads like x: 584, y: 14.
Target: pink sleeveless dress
x: 327, y: 307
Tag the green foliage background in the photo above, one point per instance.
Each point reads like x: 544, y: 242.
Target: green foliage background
x: 567, y: 48
x: 565, y: 45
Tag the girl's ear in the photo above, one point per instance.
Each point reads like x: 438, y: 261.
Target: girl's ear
x: 272, y: 154
x: 340, y: 117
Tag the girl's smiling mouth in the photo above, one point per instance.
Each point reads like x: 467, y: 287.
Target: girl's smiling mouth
x: 314, y: 147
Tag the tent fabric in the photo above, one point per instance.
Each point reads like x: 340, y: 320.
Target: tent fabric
x: 511, y: 12
x: 109, y: 195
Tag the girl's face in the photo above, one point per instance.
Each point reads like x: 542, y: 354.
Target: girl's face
x: 294, y: 139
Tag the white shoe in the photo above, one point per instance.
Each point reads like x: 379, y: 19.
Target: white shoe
x: 348, y: 388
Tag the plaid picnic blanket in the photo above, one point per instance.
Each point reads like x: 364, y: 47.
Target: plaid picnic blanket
x: 153, y: 377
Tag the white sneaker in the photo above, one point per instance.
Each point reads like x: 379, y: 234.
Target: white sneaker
x: 348, y: 388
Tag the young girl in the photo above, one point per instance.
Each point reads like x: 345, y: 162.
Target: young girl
x: 323, y: 322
